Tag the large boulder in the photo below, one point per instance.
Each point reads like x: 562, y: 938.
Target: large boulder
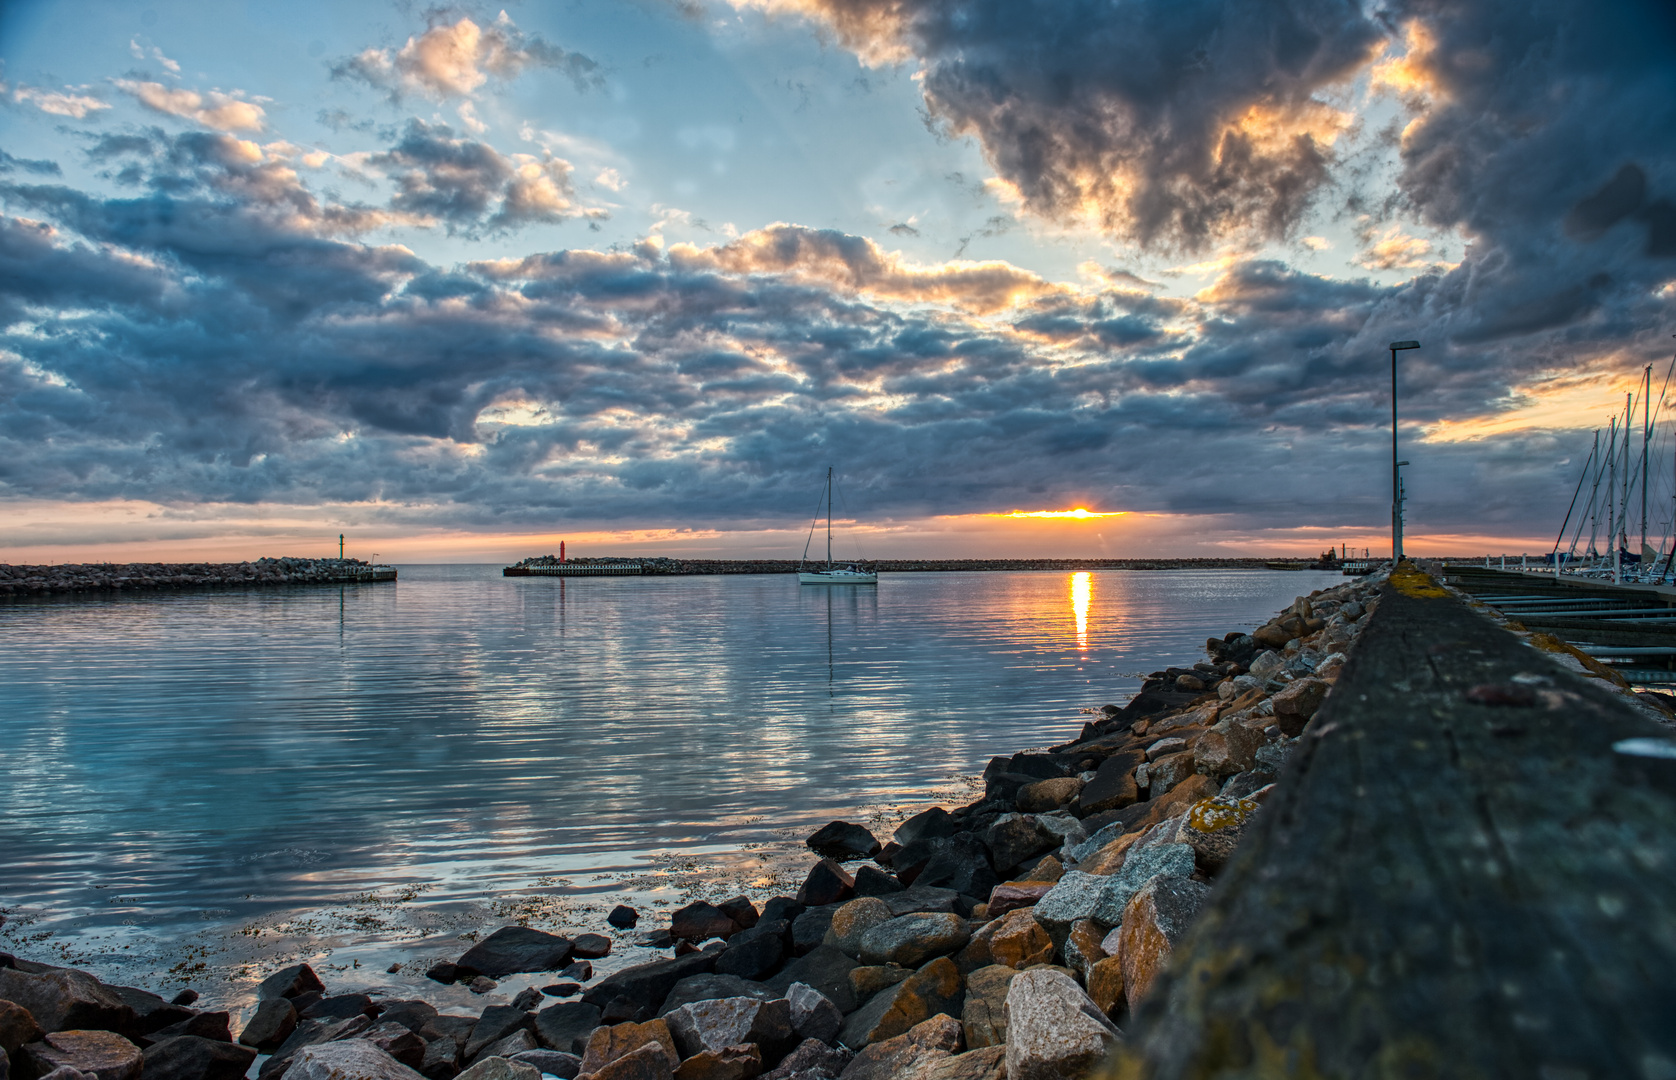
x: 714, y: 1025
x: 741, y: 1062
x: 1144, y: 864
x: 607, y: 1044
x: 854, y: 919
x: 188, y: 1057
x: 1013, y: 838
x: 843, y: 841
x: 755, y: 953
x: 1229, y: 747
x: 1054, y: 1030
x: 935, y: 988
x: 101, y: 1055
x: 710, y: 988
x: 351, y: 1059
x: 151, y: 1012
x: 813, y: 1014
x: 1113, y: 786
x: 1153, y: 922
x: 337, y: 1007
x: 518, y: 1042
x: 551, y: 1062
x: 984, y: 1016
x: 1044, y: 795
x: 961, y: 863
x: 927, y: 825
x: 409, y: 1049
x: 932, y: 1040
x: 66, y: 999
x: 1297, y: 704
x: 270, y: 1025
x: 566, y: 1027
x: 811, y: 1059
x: 514, y: 949
x: 646, y: 985
x: 290, y: 982
x: 910, y: 940
x: 1074, y: 896
x: 827, y: 883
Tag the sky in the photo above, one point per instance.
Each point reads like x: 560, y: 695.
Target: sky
x: 462, y: 282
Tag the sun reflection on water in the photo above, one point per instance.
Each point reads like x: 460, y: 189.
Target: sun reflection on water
x: 1082, y: 590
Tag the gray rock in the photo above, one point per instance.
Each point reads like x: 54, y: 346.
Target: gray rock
x: 1013, y: 838
x: 871, y: 881
x: 151, y: 1012
x: 290, y: 982
x: 441, y: 1060
x: 712, y: 1025
x: 496, y: 1023
x: 551, y: 1062
x: 1054, y: 1030
x: 1143, y: 864
x: 188, y: 1057
x: 528, y: 999
x: 1100, y: 839
x: 337, y: 1007
x: 513, y: 1044
x: 499, y: 1068
x: 813, y: 1015
x: 646, y: 985
x: 809, y: 929
x: 809, y: 1060
x: 935, y: 988
x: 925, y: 825
x: 921, y: 898
x: 699, y: 921
x: 711, y: 987
x: 1266, y: 665
x: 827, y: 970
x: 1075, y: 896
x: 457, y: 1028
x: 904, y: 1055
x: 962, y: 864
x: 514, y: 949
x: 66, y: 999
x: 398, y: 1042
x: 349, y: 1060
x: 910, y: 940
x: 412, y: 1015
x: 756, y: 953
x: 103, y: 1055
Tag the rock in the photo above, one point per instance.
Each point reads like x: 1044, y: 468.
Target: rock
x: 482, y: 984
x: 351, y: 1060
x: 17, y: 1028
x: 1173, y: 804
x: 900, y: 1056
x: 1153, y: 921
x: 713, y: 1025
x: 412, y: 1015
x: 591, y: 946
x: 1075, y: 896
x: 1082, y: 949
x: 551, y: 1062
x: 1229, y: 747
x: 1012, y: 895
x: 926, y: 825
x: 827, y: 970
x: 1295, y: 705
x: 1054, y: 1030
x: 1213, y: 827
x: 809, y: 929
x: 813, y: 1015
x: 1266, y: 666
x: 1109, y: 859
x: 710, y: 988
x: 445, y: 972
x: 869, y: 980
x: 811, y: 1059
x: 1105, y: 984
x: 1169, y: 770
x: 700, y: 921
x: 781, y: 907
x: 515, y: 1043
x: 741, y: 911
x: 1020, y: 940
x: 495, y: 1024
x: 337, y: 1007
x: 566, y: 1027
x: 188, y: 1057
x: 935, y: 988
x: 854, y: 919
x: 1050, y: 870
x: 827, y: 883
x: 623, y: 917
x: 1144, y: 864
x: 871, y: 881
x: 607, y: 1044
x: 984, y: 1015
x: 985, y: 1063
x: 646, y: 985
x: 843, y: 841
x: 151, y: 1012
x: 441, y: 1060
x: 405, y: 1046
x: 1013, y: 838
x: 728, y: 1063
x: 457, y: 1028
x: 580, y: 971
x: 921, y: 898
x: 1113, y: 786
x: 528, y: 999
x: 755, y: 959
x: 499, y: 1068
x: 102, y: 1055
x: 910, y: 940
x: 66, y: 999
x: 515, y: 949
x: 1045, y: 795
x: 290, y: 982
x: 961, y: 863
x: 203, y: 1025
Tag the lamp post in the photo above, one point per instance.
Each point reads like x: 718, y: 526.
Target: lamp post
x: 1396, y: 466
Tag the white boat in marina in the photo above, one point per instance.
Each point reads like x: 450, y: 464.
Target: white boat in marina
x: 833, y: 573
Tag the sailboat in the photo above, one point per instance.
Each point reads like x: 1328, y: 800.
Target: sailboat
x: 834, y: 573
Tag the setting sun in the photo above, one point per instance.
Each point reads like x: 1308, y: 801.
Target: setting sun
x: 1078, y: 514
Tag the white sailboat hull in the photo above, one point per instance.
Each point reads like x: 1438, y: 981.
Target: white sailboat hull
x: 836, y: 577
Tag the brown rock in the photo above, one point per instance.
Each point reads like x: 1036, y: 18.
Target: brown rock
x: 66, y: 999
x: 728, y: 1063
x: 1168, y: 771
x: 646, y: 1062
x: 984, y: 1016
x: 1020, y: 940
x: 1153, y: 922
x: 1294, y: 705
x: 1045, y: 795
x: 868, y: 980
x: 1050, y: 870
x: 935, y: 988
x: 1105, y: 984
x: 1212, y: 828
x: 987, y: 1063
x: 930, y: 1042
x: 103, y: 1055
x: 1229, y: 747
x: 1272, y: 635
x: 1109, y: 859
x: 1177, y: 801
x: 853, y: 920
x: 607, y: 1044
x: 1012, y: 895
x: 1082, y: 946
x: 17, y: 1027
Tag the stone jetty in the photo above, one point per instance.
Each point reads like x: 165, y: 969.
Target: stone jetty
x: 910, y: 566
x: 1011, y: 937
x: 26, y: 580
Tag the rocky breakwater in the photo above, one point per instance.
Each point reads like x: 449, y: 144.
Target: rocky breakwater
x: 26, y: 580
x: 1009, y: 938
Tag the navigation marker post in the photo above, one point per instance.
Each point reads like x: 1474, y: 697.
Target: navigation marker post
x: 1396, y: 466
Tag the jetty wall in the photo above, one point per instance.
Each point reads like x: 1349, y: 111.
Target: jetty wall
x: 909, y: 566
x: 26, y: 580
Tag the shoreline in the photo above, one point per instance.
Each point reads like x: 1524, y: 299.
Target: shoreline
x: 1088, y: 790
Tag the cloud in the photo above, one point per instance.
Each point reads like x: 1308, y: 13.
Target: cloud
x: 60, y: 102
x: 1394, y: 250
x: 455, y: 60
x: 1171, y: 125
x: 222, y: 112
x: 470, y: 186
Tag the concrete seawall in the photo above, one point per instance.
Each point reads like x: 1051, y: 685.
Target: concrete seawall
x: 27, y: 580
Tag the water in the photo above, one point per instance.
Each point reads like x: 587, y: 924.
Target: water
x: 357, y: 775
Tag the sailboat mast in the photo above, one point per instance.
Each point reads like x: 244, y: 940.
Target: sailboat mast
x: 1646, y: 444
x: 1594, y: 501
x: 829, y: 517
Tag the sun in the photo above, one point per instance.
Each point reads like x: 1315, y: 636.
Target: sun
x: 1078, y: 514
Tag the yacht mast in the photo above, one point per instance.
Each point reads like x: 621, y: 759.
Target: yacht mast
x: 829, y: 517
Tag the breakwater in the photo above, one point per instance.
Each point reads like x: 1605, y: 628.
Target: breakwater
x: 36, y: 580
x: 987, y: 940
x: 910, y: 566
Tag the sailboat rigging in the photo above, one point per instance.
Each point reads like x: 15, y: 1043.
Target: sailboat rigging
x: 833, y: 573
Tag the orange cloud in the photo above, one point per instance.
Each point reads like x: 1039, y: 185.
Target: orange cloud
x: 223, y: 112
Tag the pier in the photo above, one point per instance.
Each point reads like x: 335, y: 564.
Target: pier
x: 574, y: 569
x: 37, y: 580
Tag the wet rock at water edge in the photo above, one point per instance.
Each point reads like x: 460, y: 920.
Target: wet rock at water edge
x: 338, y: 1007
x: 581, y: 971
x: 740, y: 909
x: 499, y: 1068
x: 781, y: 907
x: 188, y: 1057
x: 844, y: 842
x: 645, y: 986
x: 496, y: 1023
x: 413, y: 1015
x: 290, y: 982
x: 400, y: 1043
x: 482, y: 984
x: 623, y: 917
x: 527, y: 999
x: 871, y: 881
x: 512, y: 950
x: 591, y: 946
x: 441, y: 1060
x: 700, y: 921
x: 564, y: 989
x: 185, y: 997
x: 516, y: 1043
x: 827, y: 883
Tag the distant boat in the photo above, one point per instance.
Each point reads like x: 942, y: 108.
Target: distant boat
x: 833, y: 573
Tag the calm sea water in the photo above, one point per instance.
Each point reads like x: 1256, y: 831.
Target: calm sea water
x: 360, y: 773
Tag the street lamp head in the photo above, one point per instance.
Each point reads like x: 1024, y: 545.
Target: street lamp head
x: 1397, y: 345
